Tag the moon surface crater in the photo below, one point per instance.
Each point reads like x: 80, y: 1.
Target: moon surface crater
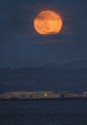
x: 48, y: 22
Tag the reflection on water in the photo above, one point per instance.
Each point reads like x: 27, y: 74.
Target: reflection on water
x: 43, y: 112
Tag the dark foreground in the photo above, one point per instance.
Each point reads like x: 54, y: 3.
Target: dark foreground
x: 69, y: 112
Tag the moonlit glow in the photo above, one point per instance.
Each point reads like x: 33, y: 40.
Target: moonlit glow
x: 48, y: 22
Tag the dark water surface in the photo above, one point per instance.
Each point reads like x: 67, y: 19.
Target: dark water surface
x: 63, y: 112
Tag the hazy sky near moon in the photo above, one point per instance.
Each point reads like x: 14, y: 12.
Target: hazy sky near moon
x: 20, y: 45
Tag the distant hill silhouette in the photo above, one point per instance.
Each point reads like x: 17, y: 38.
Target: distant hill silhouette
x: 51, y: 65
x: 78, y: 64
x: 33, y: 79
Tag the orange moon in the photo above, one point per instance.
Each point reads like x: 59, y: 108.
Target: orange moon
x: 48, y: 22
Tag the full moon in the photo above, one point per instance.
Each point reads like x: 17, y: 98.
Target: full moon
x: 48, y: 22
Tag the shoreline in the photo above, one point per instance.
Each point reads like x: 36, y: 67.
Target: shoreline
x: 44, y: 99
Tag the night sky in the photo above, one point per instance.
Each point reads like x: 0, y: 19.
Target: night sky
x: 22, y: 46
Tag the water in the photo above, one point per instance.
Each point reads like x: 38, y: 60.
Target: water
x: 61, y: 112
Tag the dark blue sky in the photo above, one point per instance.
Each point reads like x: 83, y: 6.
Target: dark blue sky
x: 20, y: 45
